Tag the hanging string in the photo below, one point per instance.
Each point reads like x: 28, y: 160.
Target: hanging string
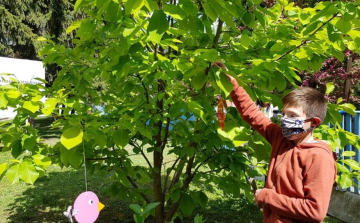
x: 85, y: 168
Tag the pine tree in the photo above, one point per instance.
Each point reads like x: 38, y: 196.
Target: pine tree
x: 23, y: 21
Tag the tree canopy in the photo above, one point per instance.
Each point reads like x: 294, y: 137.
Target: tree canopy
x: 154, y: 58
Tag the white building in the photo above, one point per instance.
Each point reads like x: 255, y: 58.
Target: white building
x: 24, y: 70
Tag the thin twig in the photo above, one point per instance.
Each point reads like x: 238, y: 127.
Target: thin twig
x: 146, y: 90
x: 306, y: 41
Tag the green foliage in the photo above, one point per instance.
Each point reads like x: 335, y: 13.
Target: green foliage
x: 155, y: 60
x: 141, y: 213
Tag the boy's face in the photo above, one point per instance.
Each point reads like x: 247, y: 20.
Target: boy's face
x: 297, y: 113
x: 294, y: 112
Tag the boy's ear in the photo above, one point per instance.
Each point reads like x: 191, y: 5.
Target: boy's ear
x: 315, y: 121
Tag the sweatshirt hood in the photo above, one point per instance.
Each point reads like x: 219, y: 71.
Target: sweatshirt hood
x: 317, y: 144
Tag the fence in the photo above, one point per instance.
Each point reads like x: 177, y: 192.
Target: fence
x: 351, y: 123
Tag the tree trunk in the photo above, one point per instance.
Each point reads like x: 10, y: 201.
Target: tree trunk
x: 347, y: 81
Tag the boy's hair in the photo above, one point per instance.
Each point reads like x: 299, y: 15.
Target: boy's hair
x: 312, y: 101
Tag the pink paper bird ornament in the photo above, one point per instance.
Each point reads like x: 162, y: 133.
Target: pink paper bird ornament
x: 86, y: 208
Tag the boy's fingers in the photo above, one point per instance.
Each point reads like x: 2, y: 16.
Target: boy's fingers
x: 230, y: 78
x: 218, y: 64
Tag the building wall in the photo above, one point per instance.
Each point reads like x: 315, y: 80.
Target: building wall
x: 24, y: 70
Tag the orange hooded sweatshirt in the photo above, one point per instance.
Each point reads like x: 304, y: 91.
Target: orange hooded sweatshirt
x: 300, y: 177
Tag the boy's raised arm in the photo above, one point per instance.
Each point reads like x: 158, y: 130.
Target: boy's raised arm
x: 249, y: 111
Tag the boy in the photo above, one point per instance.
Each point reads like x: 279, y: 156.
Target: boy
x: 302, y: 169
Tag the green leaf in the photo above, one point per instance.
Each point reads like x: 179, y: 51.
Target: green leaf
x: 41, y: 39
x: 158, y: 25
x: 3, y: 168
x: 175, y: 195
x: 71, y: 137
x: 3, y: 101
x: 150, y: 206
x: 139, y: 218
x: 329, y: 87
x: 223, y: 82
x: 348, y: 153
x: 41, y: 160
x: 73, y: 26
x: 302, y: 54
x: 333, y: 33
x: 177, y: 109
x: 342, y: 168
x: 136, y: 208
x: 256, y: 2
x: 210, y: 12
x: 201, y: 198
x: 197, y: 109
x: 13, y: 94
x: 277, y: 47
x: 28, y: 142
x: 27, y: 172
x: 224, y: 11
x: 121, y: 137
x: 311, y: 27
x: 278, y: 81
x: 245, y: 40
x: 65, y: 155
x: 248, y: 19
x: 260, y: 17
x: 348, y: 108
x: 151, y: 5
x: 49, y: 106
x: 31, y: 106
x: 187, y: 204
x: 145, y: 133
x: 100, y: 138
x: 77, y: 4
x: 133, y: 6
x: 207, y: 54
x: 343, y: 26
x: 345, y: 181
x: 76, y: 159
x: 350, y: 12
x: 188, y: 7
x: 12, y: 174
x: 198, y: 80
x: 352, y: 164
x: 16, y: 149
x: 174, y: 11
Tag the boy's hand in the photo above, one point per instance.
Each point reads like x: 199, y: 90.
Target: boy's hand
x: 220, y: 65
x: 257, y: 192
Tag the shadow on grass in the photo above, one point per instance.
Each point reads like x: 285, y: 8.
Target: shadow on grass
x: 51, y: 195
x: 43, y: 125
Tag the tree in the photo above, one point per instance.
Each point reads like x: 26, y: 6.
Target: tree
x: 336, y: 72
x: 22, y: 22
x: 155, y: 58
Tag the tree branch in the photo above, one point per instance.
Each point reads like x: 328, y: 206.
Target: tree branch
x: 142, y: 153
x: 218, y: 33
x: 306, y: 41
x: 168, y: 174
x: 103, y: 158
x: 146, y: 90
x: 185, y: 186
x: 136, y: 187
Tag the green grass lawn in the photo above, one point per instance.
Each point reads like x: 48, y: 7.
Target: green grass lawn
x: 50, y: 195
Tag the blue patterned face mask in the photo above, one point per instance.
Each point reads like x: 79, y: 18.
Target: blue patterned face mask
x: 294, y: 128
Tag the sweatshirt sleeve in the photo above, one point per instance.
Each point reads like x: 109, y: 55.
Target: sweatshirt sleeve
x: 252, y: 114
x: 319, y: 178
